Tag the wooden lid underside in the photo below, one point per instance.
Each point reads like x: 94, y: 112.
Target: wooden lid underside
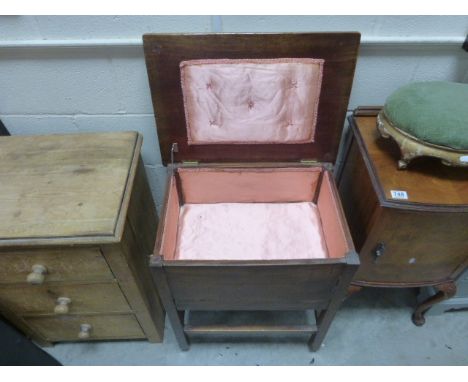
x: 164, y: 53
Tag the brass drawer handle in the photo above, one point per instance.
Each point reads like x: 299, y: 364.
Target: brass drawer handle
x: 85, y: 331
x: 63, y: 305
x: 37, y: 275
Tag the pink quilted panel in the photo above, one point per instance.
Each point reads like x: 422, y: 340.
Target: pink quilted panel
x: 251, y: 101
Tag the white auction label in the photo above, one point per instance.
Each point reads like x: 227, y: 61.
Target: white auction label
x: 398, y: 194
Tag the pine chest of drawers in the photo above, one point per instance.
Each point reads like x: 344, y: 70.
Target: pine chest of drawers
x: 77, y: 222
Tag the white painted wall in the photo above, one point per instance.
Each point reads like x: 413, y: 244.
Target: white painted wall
x: 105, y: 88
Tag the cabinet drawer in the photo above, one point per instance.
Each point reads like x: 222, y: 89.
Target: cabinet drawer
x: 62, y: 299
x: 79, y: 328
x: 63, y: 264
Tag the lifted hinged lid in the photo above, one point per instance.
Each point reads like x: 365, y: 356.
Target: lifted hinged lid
x: 250, y: 97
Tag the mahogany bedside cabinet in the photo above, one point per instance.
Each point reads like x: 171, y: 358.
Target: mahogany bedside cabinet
x: 410, y: 227
x: 77, y: 223
x: 249, y: 125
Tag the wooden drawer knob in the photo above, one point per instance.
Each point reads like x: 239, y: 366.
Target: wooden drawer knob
x: 63, y: 304
x: 37, y: 275
x: 85, y: 331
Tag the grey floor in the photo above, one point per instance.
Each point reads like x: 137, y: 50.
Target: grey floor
x: 372, y: 328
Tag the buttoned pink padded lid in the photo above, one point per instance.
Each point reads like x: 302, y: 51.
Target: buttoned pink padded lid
x: 249, y: 101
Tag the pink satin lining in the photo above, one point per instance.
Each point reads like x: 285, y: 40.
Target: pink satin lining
x: 208, y: 185
x: 171, y: 221
x: 252, y: 213
x: 334, y: 232
x: 251, y: 100
x: 250, y: 231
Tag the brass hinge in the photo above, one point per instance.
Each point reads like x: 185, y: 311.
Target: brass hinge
x: 309, y: 161
x: 190, y: 162
x: 315, y: 162
x: 175, y: 149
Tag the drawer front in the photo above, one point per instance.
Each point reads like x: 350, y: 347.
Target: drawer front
x: 63, y: 299
x: 86, y: 328
x: 64, y: 264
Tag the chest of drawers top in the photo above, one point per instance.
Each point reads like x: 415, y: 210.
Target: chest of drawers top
x: 65, y: 189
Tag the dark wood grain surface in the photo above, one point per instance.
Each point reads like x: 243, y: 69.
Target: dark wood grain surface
x: 264, y: 287
x: 165, y: 52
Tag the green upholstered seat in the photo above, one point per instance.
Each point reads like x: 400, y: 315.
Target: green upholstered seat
x: 435, y: 112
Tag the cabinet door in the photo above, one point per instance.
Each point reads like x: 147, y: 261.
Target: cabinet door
x: 414, y: 247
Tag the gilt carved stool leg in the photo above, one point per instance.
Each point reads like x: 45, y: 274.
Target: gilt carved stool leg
x: 444, y: 292
x: 406, y: 157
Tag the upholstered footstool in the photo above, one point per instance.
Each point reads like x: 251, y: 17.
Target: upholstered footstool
x: 428, y: 119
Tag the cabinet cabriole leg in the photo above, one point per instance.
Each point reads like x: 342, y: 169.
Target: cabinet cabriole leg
x: 444, y: 292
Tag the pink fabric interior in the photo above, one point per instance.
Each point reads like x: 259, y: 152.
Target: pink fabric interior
x: 171, y: 221
x: 251, y: 214
x: 251, y: 100
x: 231, y: 185
x: 249, y: 231
x: 333, y: 229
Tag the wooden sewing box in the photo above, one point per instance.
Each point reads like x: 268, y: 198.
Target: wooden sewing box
x: 249, y: 126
